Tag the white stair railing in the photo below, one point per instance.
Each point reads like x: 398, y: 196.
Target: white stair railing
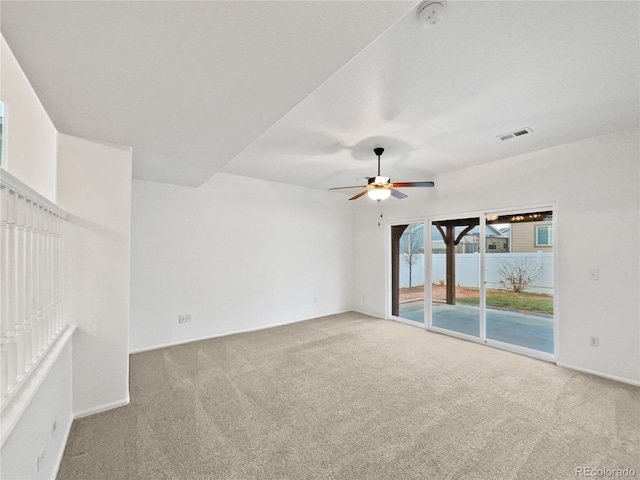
x: 31, y: 250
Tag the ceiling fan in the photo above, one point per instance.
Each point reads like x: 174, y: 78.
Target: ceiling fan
x: 380, y: 188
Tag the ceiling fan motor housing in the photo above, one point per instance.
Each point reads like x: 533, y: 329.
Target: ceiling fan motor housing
x: 379, y: 181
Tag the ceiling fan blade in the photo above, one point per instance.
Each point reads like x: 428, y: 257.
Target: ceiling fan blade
x: 359, y: 195
x: 413, y: 184
x: 398, y: 194
x: 341, y: 188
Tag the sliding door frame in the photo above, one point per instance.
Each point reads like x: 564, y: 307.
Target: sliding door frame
x: 389, y: 271
x: 516, y: 348
x: 428, y: 294
x: 429, y: 321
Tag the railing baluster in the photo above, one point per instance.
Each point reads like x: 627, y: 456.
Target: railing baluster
x: 41, y: 276
x: 50, y: 319
x: 35, y: 326
x: 4, y: 316
x: 28, y: 287
x: 57, y: 279
x: 31, y: 250
x: 34, y: 279
x: 44, y: 299
x: 12, y: 372
x: 19, y: 295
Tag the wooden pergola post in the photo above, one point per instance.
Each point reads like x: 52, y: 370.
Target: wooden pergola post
x: 450, y: 242
x: 451, y: 264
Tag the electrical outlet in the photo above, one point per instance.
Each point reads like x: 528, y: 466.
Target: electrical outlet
x: 184, y: 318
x: 594, y: 341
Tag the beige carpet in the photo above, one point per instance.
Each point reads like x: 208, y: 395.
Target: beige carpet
x: 353, y: 397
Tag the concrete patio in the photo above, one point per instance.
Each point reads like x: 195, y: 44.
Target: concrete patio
x: 529, y: 330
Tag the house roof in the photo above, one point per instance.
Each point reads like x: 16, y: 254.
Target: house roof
x: 300, y: 92
x: 489, y: 230
x: 435, y: 234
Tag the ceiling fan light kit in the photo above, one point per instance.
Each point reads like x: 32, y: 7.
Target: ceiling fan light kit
x: 379, y: 193
x: 380, y: 188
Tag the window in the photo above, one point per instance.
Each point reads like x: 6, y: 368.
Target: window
x: 544, y: 236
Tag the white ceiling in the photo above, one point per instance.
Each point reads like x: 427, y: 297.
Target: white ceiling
x: 437, y: 98
x: 278, y: 90
x: 187, y: 84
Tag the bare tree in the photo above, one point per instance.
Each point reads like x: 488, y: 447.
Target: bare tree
x: 517, y: 275
x: 412, y: 244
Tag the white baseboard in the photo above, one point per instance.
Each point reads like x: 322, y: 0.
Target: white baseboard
x: 235, y: 332
x: 408, y: 322
x: 560, y: 364
x: 393, y: 319
x: 367, y: 313
x: 102, y: 408
x: 599, y: 374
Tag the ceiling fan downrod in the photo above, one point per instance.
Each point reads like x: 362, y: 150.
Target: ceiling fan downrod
x: 378, y: 151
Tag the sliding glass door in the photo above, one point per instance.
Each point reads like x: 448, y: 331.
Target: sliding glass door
x: 491, y: 279
x: 455, y: 275
x: 519, y: 280
x: 408, y: 272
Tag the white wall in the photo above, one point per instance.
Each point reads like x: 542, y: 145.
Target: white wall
x: 29, y: 137
x: 93, y: 183
x: 29, y: 153
x: 595, y: 184
x: 94, y: 187
x: 236, y: 253
x: 34, y: 433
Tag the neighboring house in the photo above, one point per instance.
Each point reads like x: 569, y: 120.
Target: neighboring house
x: 532, y: 237
x: 497, y: 244
x: 470, y: 243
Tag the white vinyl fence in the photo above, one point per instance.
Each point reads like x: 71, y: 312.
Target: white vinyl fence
x: 468, y: 270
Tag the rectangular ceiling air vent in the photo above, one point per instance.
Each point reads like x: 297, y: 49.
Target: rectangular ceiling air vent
x: 516, y: 133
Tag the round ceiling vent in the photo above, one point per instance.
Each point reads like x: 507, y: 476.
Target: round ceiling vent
x: 430, y: 13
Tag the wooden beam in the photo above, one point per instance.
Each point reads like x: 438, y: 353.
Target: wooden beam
x: 464, y: 232
x: 451, y: 264
x: 450, y: 241
x: 444, y: 235
x: 522, y: 217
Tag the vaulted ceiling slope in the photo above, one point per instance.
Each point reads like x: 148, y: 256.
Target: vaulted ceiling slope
x: 188, y: 84
x: 437, y: 98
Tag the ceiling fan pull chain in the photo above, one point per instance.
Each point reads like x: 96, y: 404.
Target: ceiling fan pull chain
x: 379, y: 205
